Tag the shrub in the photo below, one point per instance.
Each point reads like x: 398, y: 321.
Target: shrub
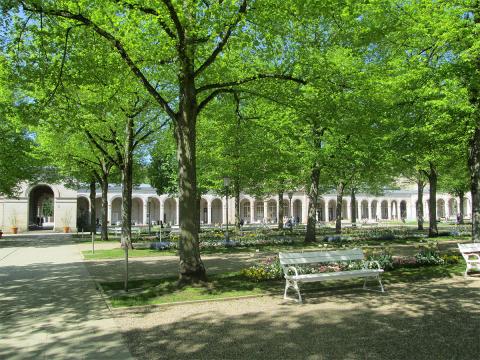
x: 383, y: 256
x: 428, y: 254
x: 163, y: 245
x: 268, y: 269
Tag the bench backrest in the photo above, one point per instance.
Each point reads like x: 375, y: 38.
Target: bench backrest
x: 315, y: 257
x: 469, y: 248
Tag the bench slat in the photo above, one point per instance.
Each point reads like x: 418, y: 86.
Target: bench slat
x: 469, y: 247
x: 336, y: 275
x: 320, y: 256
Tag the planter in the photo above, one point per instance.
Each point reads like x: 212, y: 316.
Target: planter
x: 66, y: 229
x: 14, y: 229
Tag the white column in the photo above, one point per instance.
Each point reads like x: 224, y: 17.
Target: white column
x: 326, y: 210
x: 162, y: 209
x: 209, y: 212
x: 145, y: 211
x: 265, y: 210
x: 291, y: 208
x: 252, y: 211
x: 178, y: 211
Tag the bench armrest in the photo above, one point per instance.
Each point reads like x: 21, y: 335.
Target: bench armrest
x: 367, y: 263
x: 291, y: 268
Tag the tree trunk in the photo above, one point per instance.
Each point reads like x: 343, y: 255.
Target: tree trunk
x: 338, y: 213
x: 312, y: 204
x: 353, y: 207
x: 127, y: 185
x: 104, y: 186
x: 420, y: 186
x: 461, y: 195
x: 280, y: 210
x: 474, y: 167
x: 93, y: 210
x: 236, y: 189
x: 432, y: 202
x: 192, y: 269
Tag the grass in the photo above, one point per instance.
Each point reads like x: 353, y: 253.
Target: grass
x: 228, y: 285
x: 161, y: 291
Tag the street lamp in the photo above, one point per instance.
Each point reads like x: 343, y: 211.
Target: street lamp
x: 226, y: 183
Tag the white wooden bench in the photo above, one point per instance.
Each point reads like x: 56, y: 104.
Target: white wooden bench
x: 291, y: 260
x: 471, y: 254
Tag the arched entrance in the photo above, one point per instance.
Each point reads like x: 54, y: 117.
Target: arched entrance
x: 321, y: 210
x: 244, y: 211
x: 403, y: 210
x: 170, y: 211
x: 440, y: 208
x: 217, y: 213
x: 364, y: 212
x: 384, y: 209
x: 41, y: 205
x: 297, y: 211
x: 83, y: 213
x: 332, y: 208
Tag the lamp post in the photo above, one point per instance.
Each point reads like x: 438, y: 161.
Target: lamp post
x: 226, y: 183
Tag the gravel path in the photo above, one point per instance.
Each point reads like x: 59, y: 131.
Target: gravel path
x: 439, y: 319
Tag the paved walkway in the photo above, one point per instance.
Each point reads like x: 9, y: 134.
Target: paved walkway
x: 435, y: 319
x: 49, y: 306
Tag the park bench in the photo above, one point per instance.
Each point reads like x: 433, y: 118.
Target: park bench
x: 471, y: 254
x: 290, y: 261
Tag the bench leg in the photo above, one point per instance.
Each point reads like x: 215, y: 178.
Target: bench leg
x: 293, y: 284
x: 379, y: 282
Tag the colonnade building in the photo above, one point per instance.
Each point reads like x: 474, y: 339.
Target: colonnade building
x: 42, y: 206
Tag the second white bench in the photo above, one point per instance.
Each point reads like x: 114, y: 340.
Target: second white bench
x: 471, y: 254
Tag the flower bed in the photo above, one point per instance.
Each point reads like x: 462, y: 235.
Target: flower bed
x: 428, y: 255
x: 213, y: 244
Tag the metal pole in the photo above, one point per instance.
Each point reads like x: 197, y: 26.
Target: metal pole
x: 227, y: 235
x: 93, y: 242
x: 126, y: 267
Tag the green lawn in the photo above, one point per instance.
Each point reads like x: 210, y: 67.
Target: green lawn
x: 162, y: 291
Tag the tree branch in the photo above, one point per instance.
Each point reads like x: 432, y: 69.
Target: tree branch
x: 99, y: 147
x: 176, y: 21
x: 224, y: 39
x: 212, y: 96
x: 149, y: 11
x: 115, y: 43
x: 250, y: 79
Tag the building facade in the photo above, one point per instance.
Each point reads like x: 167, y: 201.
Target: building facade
x: 53, y: 206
